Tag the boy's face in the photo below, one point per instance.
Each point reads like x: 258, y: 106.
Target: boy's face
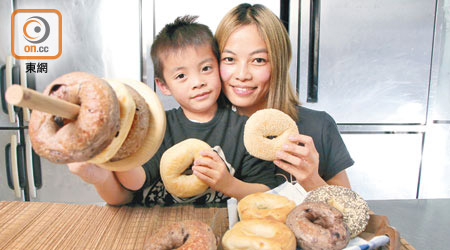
x: 192, y: 77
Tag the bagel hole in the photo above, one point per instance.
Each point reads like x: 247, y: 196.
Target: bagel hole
x: 55, y: 87
x: 271, y: 137
x: 186, y: 237
x: 60, y: 121
x: 188, y: 171
x: 318, y: 220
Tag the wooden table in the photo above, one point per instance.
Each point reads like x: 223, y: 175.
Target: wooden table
x: 40, y: 225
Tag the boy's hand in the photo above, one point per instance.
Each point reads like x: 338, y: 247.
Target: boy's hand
x: 212, y: 170
x: 89, y: 172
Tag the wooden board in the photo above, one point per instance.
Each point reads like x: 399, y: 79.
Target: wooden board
x: 40, y: 225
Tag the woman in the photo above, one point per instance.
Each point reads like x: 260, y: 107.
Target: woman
x: 254, y: 66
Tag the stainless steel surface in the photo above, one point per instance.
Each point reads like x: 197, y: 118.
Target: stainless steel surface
x: 386, y: 165
x: 439, y: 110
x: 30, y: 167
x: 303, y: 49
x: 376, y: 66
x: 6, y: 193
x: 374, y: 60
x: 59, y: 185
x: 165, y: 13
x: 99, y: 37
x: 436, y: 159
x: 15, y: 166
x: 5, y: 47
x: 423, y: 223
x: 5, y: 29
x: 434, y: 181
x: 10, y: 62
x: 24, y: 83
x: 294, y: 21
x: 381, y: 128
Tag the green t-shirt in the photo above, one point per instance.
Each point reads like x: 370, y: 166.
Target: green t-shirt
x: 226, y: 130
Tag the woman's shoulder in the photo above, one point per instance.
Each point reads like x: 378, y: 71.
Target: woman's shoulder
x: 311, y: 116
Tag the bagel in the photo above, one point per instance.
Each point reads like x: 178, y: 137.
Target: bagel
x: 127, y: 110
x: 94, y: 128
x: 259, y: 234
x: 317, y: 225
x: 183, y: 235
x: 138, y: 128
x: 108, y: 130
x: 155, y: 134
x: 352, y: 205
x: 265, y: 206
x: 266, y: 131
x: 175, y: 161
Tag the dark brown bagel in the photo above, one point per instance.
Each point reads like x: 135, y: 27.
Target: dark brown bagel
x: 183, y: 235
x: 317, y: 225
x: 139, y: 128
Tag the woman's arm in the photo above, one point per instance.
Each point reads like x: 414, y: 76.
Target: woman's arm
x: 302, y: 161
x: 340, y: 179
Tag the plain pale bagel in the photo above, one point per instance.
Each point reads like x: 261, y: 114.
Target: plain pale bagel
x: 175, y: 161
x: 127, y: 110
x: 266, y: 131
x: 259, y: 234
x: 155, y: 133
x: 265, y: 206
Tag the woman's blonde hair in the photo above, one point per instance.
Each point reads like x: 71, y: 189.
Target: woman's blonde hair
x: 281, y: 95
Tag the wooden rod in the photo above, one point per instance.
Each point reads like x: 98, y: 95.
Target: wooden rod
x: 24, y: 97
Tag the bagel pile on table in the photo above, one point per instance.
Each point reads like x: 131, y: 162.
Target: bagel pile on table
x: 327, y: 219
x: 120, y: 125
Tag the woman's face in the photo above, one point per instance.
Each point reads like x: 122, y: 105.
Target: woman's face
x: 245, y: 70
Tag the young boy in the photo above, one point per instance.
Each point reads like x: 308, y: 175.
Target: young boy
x: 185, y: 58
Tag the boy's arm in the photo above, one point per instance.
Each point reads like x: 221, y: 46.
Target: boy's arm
x: 212, y: 170
x: 132, y: 179
x: 239, y: 189
x: 105, y: 182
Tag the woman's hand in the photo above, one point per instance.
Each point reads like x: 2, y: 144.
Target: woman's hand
x: 301, y: 159
x: 89, y: 172
x: 212, y: 170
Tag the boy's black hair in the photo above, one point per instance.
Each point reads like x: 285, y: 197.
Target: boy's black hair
x: 182, y: 33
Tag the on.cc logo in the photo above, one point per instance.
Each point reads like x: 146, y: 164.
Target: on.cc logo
x: 36, y: 29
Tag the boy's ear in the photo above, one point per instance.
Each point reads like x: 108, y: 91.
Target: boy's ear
x: 162, y: 86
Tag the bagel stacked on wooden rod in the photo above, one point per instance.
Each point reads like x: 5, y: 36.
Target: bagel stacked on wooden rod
x: 116, y: 124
